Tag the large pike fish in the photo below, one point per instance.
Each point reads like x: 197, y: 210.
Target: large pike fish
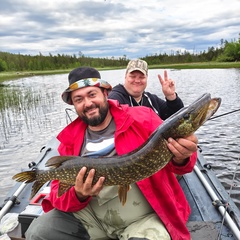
x: 123, y: 170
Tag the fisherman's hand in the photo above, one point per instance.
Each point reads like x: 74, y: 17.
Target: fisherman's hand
x: 85, y: 189
x: 168, y: 86
x: 183, y: 148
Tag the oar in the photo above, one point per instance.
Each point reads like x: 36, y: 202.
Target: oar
x: 221, y: 209
x: 15, y: 195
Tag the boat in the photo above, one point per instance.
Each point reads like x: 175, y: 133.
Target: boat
x: 214, y: 215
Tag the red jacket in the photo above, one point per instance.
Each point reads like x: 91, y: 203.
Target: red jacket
x: 162, y: 190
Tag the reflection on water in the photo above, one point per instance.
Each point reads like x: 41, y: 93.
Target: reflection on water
x: 21, y: 108
x: 15, y: 105
x: 34, y: 113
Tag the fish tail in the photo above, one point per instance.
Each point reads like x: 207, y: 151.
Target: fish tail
x: 27, y: 176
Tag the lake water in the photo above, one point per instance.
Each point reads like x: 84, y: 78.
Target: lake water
x: 24, y: 131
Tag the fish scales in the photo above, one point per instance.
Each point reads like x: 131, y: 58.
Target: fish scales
x: 125, y: 171
x: 141, y: 163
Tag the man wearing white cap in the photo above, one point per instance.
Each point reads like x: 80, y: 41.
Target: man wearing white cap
x: 133, y: 91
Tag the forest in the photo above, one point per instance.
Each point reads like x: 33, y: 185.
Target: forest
x: 227, y: 52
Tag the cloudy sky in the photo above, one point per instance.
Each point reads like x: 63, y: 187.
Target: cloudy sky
x: 114, y: 28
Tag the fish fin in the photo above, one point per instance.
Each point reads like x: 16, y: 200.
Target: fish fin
x: 122, y: 193
x: 57, y: 161
x: 62, y: 188
x: 35, y: 188
x: 27, y: 176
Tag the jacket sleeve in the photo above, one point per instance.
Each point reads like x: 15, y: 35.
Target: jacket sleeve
x: 68, y: 202
x: 176, y: 104
x: 187, y: 168
x: 166, y: 108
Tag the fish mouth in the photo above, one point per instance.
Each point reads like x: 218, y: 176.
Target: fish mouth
x: 208, y: 111
x: 213, y: 107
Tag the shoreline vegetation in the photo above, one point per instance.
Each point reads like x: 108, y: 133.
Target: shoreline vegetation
x: 5, y: 76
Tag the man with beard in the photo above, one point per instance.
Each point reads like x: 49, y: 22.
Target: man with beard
x: 156, y: 207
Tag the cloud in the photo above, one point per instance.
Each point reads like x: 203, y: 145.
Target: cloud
x: 106, y: 28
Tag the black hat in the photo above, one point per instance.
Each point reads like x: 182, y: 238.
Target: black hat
x: 83, y: 77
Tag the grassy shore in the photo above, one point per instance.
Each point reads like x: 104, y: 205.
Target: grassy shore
x: 203, y: 65
x: 4, y: 76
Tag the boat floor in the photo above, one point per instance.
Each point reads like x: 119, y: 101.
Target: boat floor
x: 202, y: 230
x: 198, y: 230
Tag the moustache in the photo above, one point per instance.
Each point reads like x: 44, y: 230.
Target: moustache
x: 89, y: 108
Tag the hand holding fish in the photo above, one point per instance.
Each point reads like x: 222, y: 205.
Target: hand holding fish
x: 182, y: 148
x: 168, y: 86
x: 85, y: 188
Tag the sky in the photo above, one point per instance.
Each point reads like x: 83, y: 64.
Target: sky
x: 116, y: 28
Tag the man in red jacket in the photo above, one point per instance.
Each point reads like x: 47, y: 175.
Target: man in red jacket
x: 156, y: 207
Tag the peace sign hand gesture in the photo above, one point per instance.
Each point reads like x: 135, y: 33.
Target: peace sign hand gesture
x: 168, y: 86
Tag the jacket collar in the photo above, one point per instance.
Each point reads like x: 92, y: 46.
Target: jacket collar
x: 73, y: 134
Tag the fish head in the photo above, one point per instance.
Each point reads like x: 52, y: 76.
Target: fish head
x: 200, y: 112
x: 188, y: 119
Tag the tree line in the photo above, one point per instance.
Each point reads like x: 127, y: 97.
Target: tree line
x: 19, y: 62
x: 226, y: 52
